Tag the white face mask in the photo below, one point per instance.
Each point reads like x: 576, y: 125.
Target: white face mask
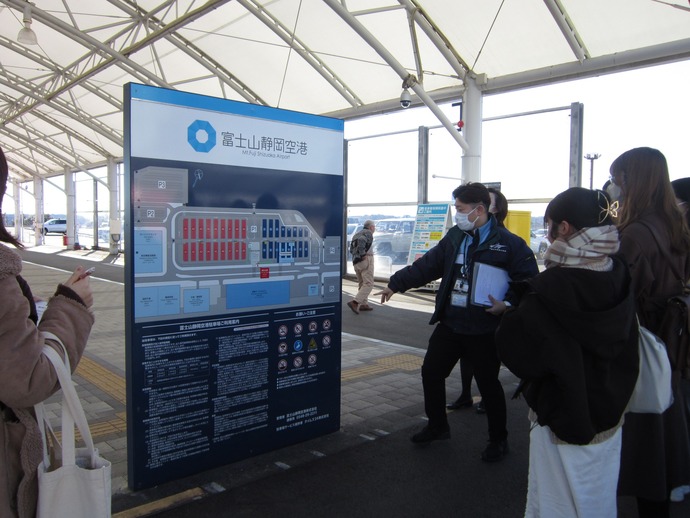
x: 463, y: 222
x: 614, y: 192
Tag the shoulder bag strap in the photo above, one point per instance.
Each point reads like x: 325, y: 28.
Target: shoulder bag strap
x: 669, y: 258
x: 72, y: 411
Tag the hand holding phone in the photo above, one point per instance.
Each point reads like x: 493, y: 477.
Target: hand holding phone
x: 87, y: 272
x: 79, y: 283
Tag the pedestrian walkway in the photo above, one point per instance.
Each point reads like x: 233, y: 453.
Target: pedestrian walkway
x: 381, y: 404
x: 381, y: 390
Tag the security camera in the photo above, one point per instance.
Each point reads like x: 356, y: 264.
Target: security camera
x: 405, y: 98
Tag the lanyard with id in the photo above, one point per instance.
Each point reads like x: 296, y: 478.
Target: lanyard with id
x: 461, y: 288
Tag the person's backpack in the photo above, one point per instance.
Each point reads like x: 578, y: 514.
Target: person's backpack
x: 675, y: 332
x: 353, y: 245
x: 674, y: 329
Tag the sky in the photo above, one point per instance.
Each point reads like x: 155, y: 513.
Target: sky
x: 530, y: 155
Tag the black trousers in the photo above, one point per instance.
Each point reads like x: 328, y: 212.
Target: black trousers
x: 444, y: 351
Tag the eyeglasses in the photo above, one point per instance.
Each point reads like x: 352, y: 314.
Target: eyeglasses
x: 620, y: 174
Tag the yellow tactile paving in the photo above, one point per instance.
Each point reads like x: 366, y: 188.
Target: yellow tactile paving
x: 162, y: 504
x: 115, y: 385
x: 112, y: 384
x: 116, y: 425
x: 104, y: 379
x: 405, y: 362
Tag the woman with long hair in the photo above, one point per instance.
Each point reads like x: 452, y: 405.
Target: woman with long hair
x: 26, y: 378
x: 655, y: 243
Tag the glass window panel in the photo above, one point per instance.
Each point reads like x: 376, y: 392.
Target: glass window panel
x: 392, y: 238
x: 445, y: 165
x: 516, y: 158
x: 383, y: 169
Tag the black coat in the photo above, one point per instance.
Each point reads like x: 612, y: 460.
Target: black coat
x: 501, y: 248
x: 573, y: 340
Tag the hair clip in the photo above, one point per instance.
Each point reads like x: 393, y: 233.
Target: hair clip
x: 611, y: 209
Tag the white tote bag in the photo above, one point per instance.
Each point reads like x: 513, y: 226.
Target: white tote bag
x: 77, y: 484
x: 652, y: 393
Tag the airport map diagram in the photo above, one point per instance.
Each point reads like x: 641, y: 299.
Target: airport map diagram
x: 217, y: 260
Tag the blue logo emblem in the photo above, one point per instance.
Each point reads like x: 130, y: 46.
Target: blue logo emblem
x: 193, y: 132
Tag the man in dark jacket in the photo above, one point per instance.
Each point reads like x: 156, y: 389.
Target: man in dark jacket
x: 464, y: 327
x: 363, y: 262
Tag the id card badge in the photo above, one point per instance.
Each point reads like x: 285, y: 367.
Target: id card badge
x: 458, y: 299
x: 461, y: 285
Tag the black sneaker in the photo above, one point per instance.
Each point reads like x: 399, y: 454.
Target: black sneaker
x: 495, y: 451
x: 426, y: 435
x: 460, y: 403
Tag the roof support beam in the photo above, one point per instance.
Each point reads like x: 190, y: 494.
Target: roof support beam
x: 47, y: 64
x: 415, y: 46
x: 193, y: 52
x: 42, y: 97
x: 436, y: 37
x: 567, y: 28
x: 89, y: 42
x: 407, y: 78
x: 62, y: 127
x: 609, y: 64
x: 305, y: 52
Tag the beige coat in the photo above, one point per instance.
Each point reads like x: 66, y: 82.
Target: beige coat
x: 27, y: 378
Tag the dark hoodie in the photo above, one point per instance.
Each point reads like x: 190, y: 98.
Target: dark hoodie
x: 573, y: 342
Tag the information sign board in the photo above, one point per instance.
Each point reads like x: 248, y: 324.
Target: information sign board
x: 431, y: 223
x: 235, y: 217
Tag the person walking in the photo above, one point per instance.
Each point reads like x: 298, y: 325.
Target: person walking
x: 363, y: 262
x: 464, y: 327
x: 655, y: 243
x: 25, y: 377
x: 573, y: 341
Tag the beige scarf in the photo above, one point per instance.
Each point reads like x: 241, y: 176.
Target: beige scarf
x: 589, y: 248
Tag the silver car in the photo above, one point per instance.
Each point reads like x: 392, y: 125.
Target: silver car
x: 55, y: 226
x: 538, y: 242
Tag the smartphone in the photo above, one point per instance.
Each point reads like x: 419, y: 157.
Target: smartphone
x: 87, y: 272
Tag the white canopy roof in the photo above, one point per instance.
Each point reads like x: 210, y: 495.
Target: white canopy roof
x: 61, y: 100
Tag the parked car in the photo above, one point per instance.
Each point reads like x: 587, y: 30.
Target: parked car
x: 104, y: 235
x: 55, y: 226
x: 393, y: 238
x: 538, y: 242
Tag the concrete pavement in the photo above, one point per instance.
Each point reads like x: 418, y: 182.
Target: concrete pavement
x: 382, y: 405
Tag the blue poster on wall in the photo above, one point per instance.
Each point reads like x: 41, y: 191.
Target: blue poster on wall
x: 233, y: 282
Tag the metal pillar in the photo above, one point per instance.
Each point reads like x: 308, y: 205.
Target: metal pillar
x: 472, y: 109
x: 18, y: 223
x: 591, y: 157
x: 95, y: 215
x: 423, y: 165
x: 70, y: 195
x: 576, y: 130
x: 115, y: 224
x: 38, y: 209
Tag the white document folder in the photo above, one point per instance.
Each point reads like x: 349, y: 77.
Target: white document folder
x: 488, y: 280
